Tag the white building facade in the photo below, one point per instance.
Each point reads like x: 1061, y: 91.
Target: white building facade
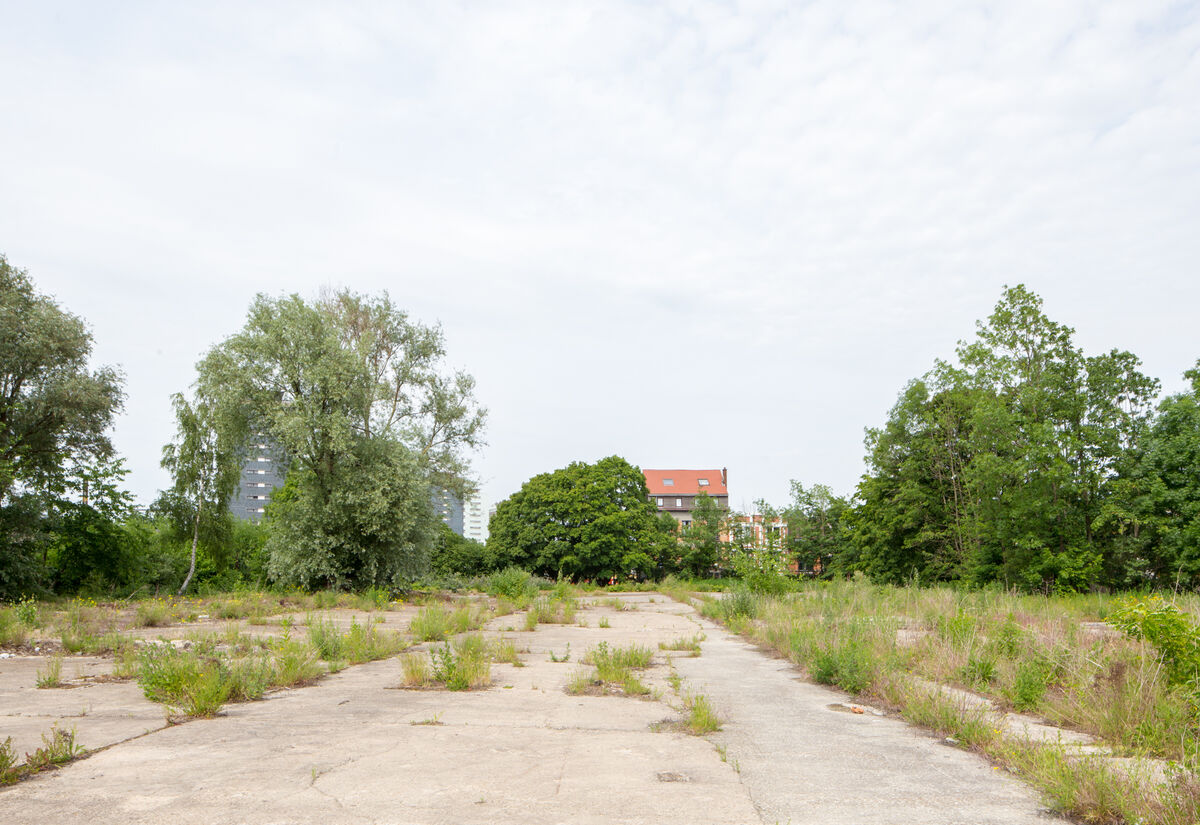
x: 475, y: 519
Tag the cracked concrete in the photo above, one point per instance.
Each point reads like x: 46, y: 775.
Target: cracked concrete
x: 354, y: 748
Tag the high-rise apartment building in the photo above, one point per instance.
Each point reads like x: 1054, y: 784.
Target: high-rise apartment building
x: 263, y: 469
x: 475, y: 521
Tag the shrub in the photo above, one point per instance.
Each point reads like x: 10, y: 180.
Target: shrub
x: 8, y: 763
x: 1172, y: 633
x: 849, y: 664
x: 513, y: 583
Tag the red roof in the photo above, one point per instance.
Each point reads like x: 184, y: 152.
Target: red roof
x: 685, y: 482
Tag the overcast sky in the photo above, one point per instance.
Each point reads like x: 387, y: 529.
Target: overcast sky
x: 692, y: 234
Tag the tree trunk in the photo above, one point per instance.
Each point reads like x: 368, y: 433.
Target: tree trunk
x: 192, y: 569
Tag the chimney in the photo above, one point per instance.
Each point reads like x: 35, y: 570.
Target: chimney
x: 725, y: 477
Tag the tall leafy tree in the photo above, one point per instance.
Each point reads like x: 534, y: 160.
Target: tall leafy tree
x: 583, y: 521
x: 358, y: 397
x: 816, y: 533
x: 55, y: 412
x: 1154, y: 519
x: 999, y: 467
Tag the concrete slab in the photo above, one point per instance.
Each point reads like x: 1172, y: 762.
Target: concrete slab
x: 358, y: 748
x: 802, y: 761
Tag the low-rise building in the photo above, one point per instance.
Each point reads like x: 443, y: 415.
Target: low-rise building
x: 675, y: 491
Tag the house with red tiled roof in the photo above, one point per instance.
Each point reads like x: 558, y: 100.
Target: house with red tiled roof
x: 675, y: 491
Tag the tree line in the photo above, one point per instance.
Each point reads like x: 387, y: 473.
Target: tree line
x: 355, y: 395
x: 1025, y: 462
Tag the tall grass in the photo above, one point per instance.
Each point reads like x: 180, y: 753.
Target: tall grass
x: 1050, y: 656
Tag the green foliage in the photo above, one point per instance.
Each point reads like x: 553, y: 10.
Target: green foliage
x: 702, y: 717
x: 54, y: 411
x: 51, y: 677
x: 453, y: 554
x: 761, y: 570
x: 8, y: 762
x: 1174, y: 634
x: 90, y: 550
x: 999, y: 469
x: 54, y: 415
x: 585, y: 521
x: 816, y: 528
x: 463, y: 666
x: 700, y: 545
x: 845, y: 662
x: 1030, y: 682
x: 355, y: 395
x: 513, y: 583
x: 58, y: 746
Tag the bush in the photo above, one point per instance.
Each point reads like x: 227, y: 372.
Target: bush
x: 1172, y: 633
x: 513, y: 583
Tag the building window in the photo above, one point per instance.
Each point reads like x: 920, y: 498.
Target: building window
x: 703, y: 482
x: 668, y: 482
x: 678, y: 502
x: 660, y: 501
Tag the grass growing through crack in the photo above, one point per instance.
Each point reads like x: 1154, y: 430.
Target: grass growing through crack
x: 702, y: 717
x: 51, y: 677
x: 234, y: 668
x: 435, y: 623
x: 612, y: 668
x: 58, y: 747
x: 688, y: 643
x: 360, y: 643
x: 465, y: 664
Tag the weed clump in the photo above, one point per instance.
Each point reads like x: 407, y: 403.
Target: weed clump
x: 51, y: 677
x: 612, y: 669
x: 702, y: 717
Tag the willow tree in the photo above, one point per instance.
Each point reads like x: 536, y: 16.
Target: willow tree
x: 359, y: 399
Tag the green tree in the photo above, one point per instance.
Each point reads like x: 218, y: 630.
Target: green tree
x: 357, y: 396
x: 583, y: 521
x: 999, y: 468
x: 1154, y: 519
x: 455, y: 555
x: 54, y: 416
x: 701, y: 540
x: 816, y: 535
x: 206, y: 471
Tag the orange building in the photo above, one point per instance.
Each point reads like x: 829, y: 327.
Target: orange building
x: 675, y: 491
